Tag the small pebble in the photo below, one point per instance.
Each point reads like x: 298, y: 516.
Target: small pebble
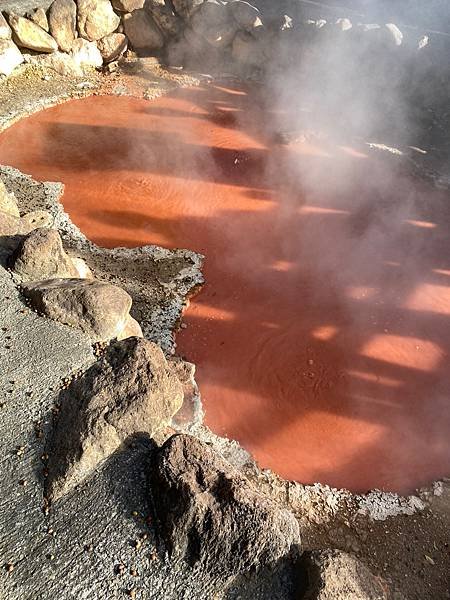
x: 9, y: 567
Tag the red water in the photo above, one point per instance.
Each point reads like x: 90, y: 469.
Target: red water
x: 322, y: 334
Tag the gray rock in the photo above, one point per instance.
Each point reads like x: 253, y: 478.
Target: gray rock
x: 39, y: 17
x: 335, y: 575
x: 86, y: 54
x: 130, y: 390
x: 185, y: 8
x: 246, y: 15
x: 142, y: 31
x: 8, y: 202
x: 395, y: 35
x: 112, y: 46
x: 128, y: 5
x: 63, y: 23
x: 97, y: 308
x: 169, y: 23
x: 41, y: 256
x: 5, y: 29
x: 214, y: 22
x: 29, y: 35
x: 210, y: 514
x: 96, y: 18
x: 247, y: 50
x: 344, y: 24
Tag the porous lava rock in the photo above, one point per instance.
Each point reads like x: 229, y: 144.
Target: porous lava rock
x: 10, y: 57
x: 214, y: 22
x: 142, y: 31
x: 99, y: 309
x: 210, y: 515
x: 96, y: 18
x: 29, y: 35
x: 8, y: 202
x: 129, y: 390
x: 86, y: 54
x: 336, y: 575
x: 41, y: 256
x: 39, y: 17
x: 128, y: 5
x: 112, y: 46
x: 63, y: 23
x: 5, y: 29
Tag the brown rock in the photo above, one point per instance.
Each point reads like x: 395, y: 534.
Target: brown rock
x: 8, y: 203
x: 168, y: 22
x: 142, y: 31
x: 112, y: 46
x: 63, y: 23
x: 99, y: 309
x: 96, y: 18
x: 128, y: 5
x: 41, y: 256
x: 130, y: 390
x: 29, y: 35
x: 39, y: 17
x: 12, y: 225
x: 210, y: 514
x: 213, y: 21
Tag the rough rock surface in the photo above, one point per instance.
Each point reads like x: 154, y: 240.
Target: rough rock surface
x: 29, y: 35
x: 63, y: 23
x: 8, y: 202
x: 131, y: 329
x: 10, y: 57
x: 142, y: 31
x: 86, y: 54
x: 336, y: 575
x: 214, y: 22
x: 14, y: 226
x: 169, y: 23
x: 39, y: 17
x: 246, y: 15
x: 96, y: 18
x: 128, y: 5
x: 248, y: 51
x: 211, y: 515
x: 97, y: 308
x: 5, y: 29
x: 60, y: 62
x: 185, y: 8
x: 112, y: 46
x: 41, y: 256
x: 130, y: 390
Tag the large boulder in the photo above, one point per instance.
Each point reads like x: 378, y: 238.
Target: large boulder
x: 210, y: 514
x: 10, y: 57
x: 99, y: 309
x: 336, y: 575
x: 128, y: 5
x: 130, y: 390
x: 214, y: 22
x: 8, y: 202
x: 96, y: 18
x: 41, y: 256
x: 169, y: 23
x: 29, y: 35
x: 142, y: 31
x: 63, y: 23
x: 112, y: 46
x: 5, y: 29
x: 246, y: 15
x: 86, y: 54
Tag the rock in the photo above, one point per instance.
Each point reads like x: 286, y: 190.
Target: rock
x: 12, y: 225
x: 5, y: 29
x: 10, y: 57
x: 61, y: 63
x: 8, y: 202
x: 344, y: 24
x: 185, y: 8
x: 41, y: 256
x: 29, y: 35
x: 96, y: 18
x: 99, y: 309
x: 169, y: 23
x: 335, y: 575
x: 63, y: 23
x: 246, y: 15
x: 210, y: 514
x: 214, y: 22
x: 395, y: 34
x: 129, y: 390
x: 131, y: 329
x: 128, y: 5
x: 86, y: 54
x: 83, y: 271
x: 39, y: 17
x: 247, y: 50
x: 142, y: 31
x: 112, y: 46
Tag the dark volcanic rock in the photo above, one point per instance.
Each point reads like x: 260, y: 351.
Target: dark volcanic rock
x: 130, y: 390
x: 210, y: 514
x: 336, y: 575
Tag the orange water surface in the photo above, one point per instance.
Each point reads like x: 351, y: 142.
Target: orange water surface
x: 322, y: 334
